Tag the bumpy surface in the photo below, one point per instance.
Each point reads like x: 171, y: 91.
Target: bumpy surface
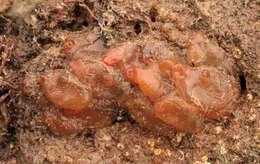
x: 168, y: 93
x: 42, y: 36
x: 84, y: 98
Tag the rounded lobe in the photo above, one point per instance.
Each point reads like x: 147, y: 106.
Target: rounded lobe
x: 202, y: 52
x: 91, y: 73
x: 217, y: 92
x: 87, y: 46
x: 182, y: 82
x: 142, y: 111
x: 68, y: 45
x: 174, y: 111
x: 114, y: 55
x: 166, y: 66
x: 61, y: 125
x: 61, y: 89
x: 149, y: 81
x: 124, y: 56
x: 210, y: 89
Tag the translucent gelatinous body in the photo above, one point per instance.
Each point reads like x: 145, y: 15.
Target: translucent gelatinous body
x: 60, y: 124
x: 149, y: 81
x: 206, y: 87
x: 78, y: 109
x: 201, y: 51
x: 162, y: 91
x: 142, y: 111
x: 83, y: 99
x: 173, y: 110
x: 178, y: 94
x: 61, y: 89
x: 123, y: 53
x: 91, y: 73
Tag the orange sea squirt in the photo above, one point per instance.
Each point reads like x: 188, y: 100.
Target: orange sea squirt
x: 61, y: 89
x: 166, y: 91
x: 176, y: 112
x: 149, y: 81
x: 212, y: 90
x: 91, y: 73
x: 119, y: 53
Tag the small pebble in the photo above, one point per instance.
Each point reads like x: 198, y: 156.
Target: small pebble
x: 173, y: 17
x: 237, y: 53
x: 166, y: 27
x: 172, y: 37
x: 51, y: 158
x: 151, y: 142
x: 136, y: 148
x: 204, y: 158
x: 168, y: 152
x: 252, y: 117
x: 236, y: 137
x: 179, y: 137
x: 69, y: 160
x: 120, y: 146
x: 127, y: 154
x: 249, y: 96
x: 157, y: 151
x: 218, y: 129
x: 223, y: 150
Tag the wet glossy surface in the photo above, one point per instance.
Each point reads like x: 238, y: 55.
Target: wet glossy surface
x: 182, y: 96
x: 149, y: 81
x: 176, y: 112
x: 161, y: 90
x: 76, y: 108
x: 202, y: 52
x: 83, y: 97
x: 211, y: 90
x: 92, y: 73
x: 61, y: 89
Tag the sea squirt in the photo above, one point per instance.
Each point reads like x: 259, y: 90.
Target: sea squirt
x: 212, y: 90
x: 183, y: 94
x: 81, y: 98
x: 173, y: 110
x: 63, y: 90
x: 76, y: 108
x: 162, y: 91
